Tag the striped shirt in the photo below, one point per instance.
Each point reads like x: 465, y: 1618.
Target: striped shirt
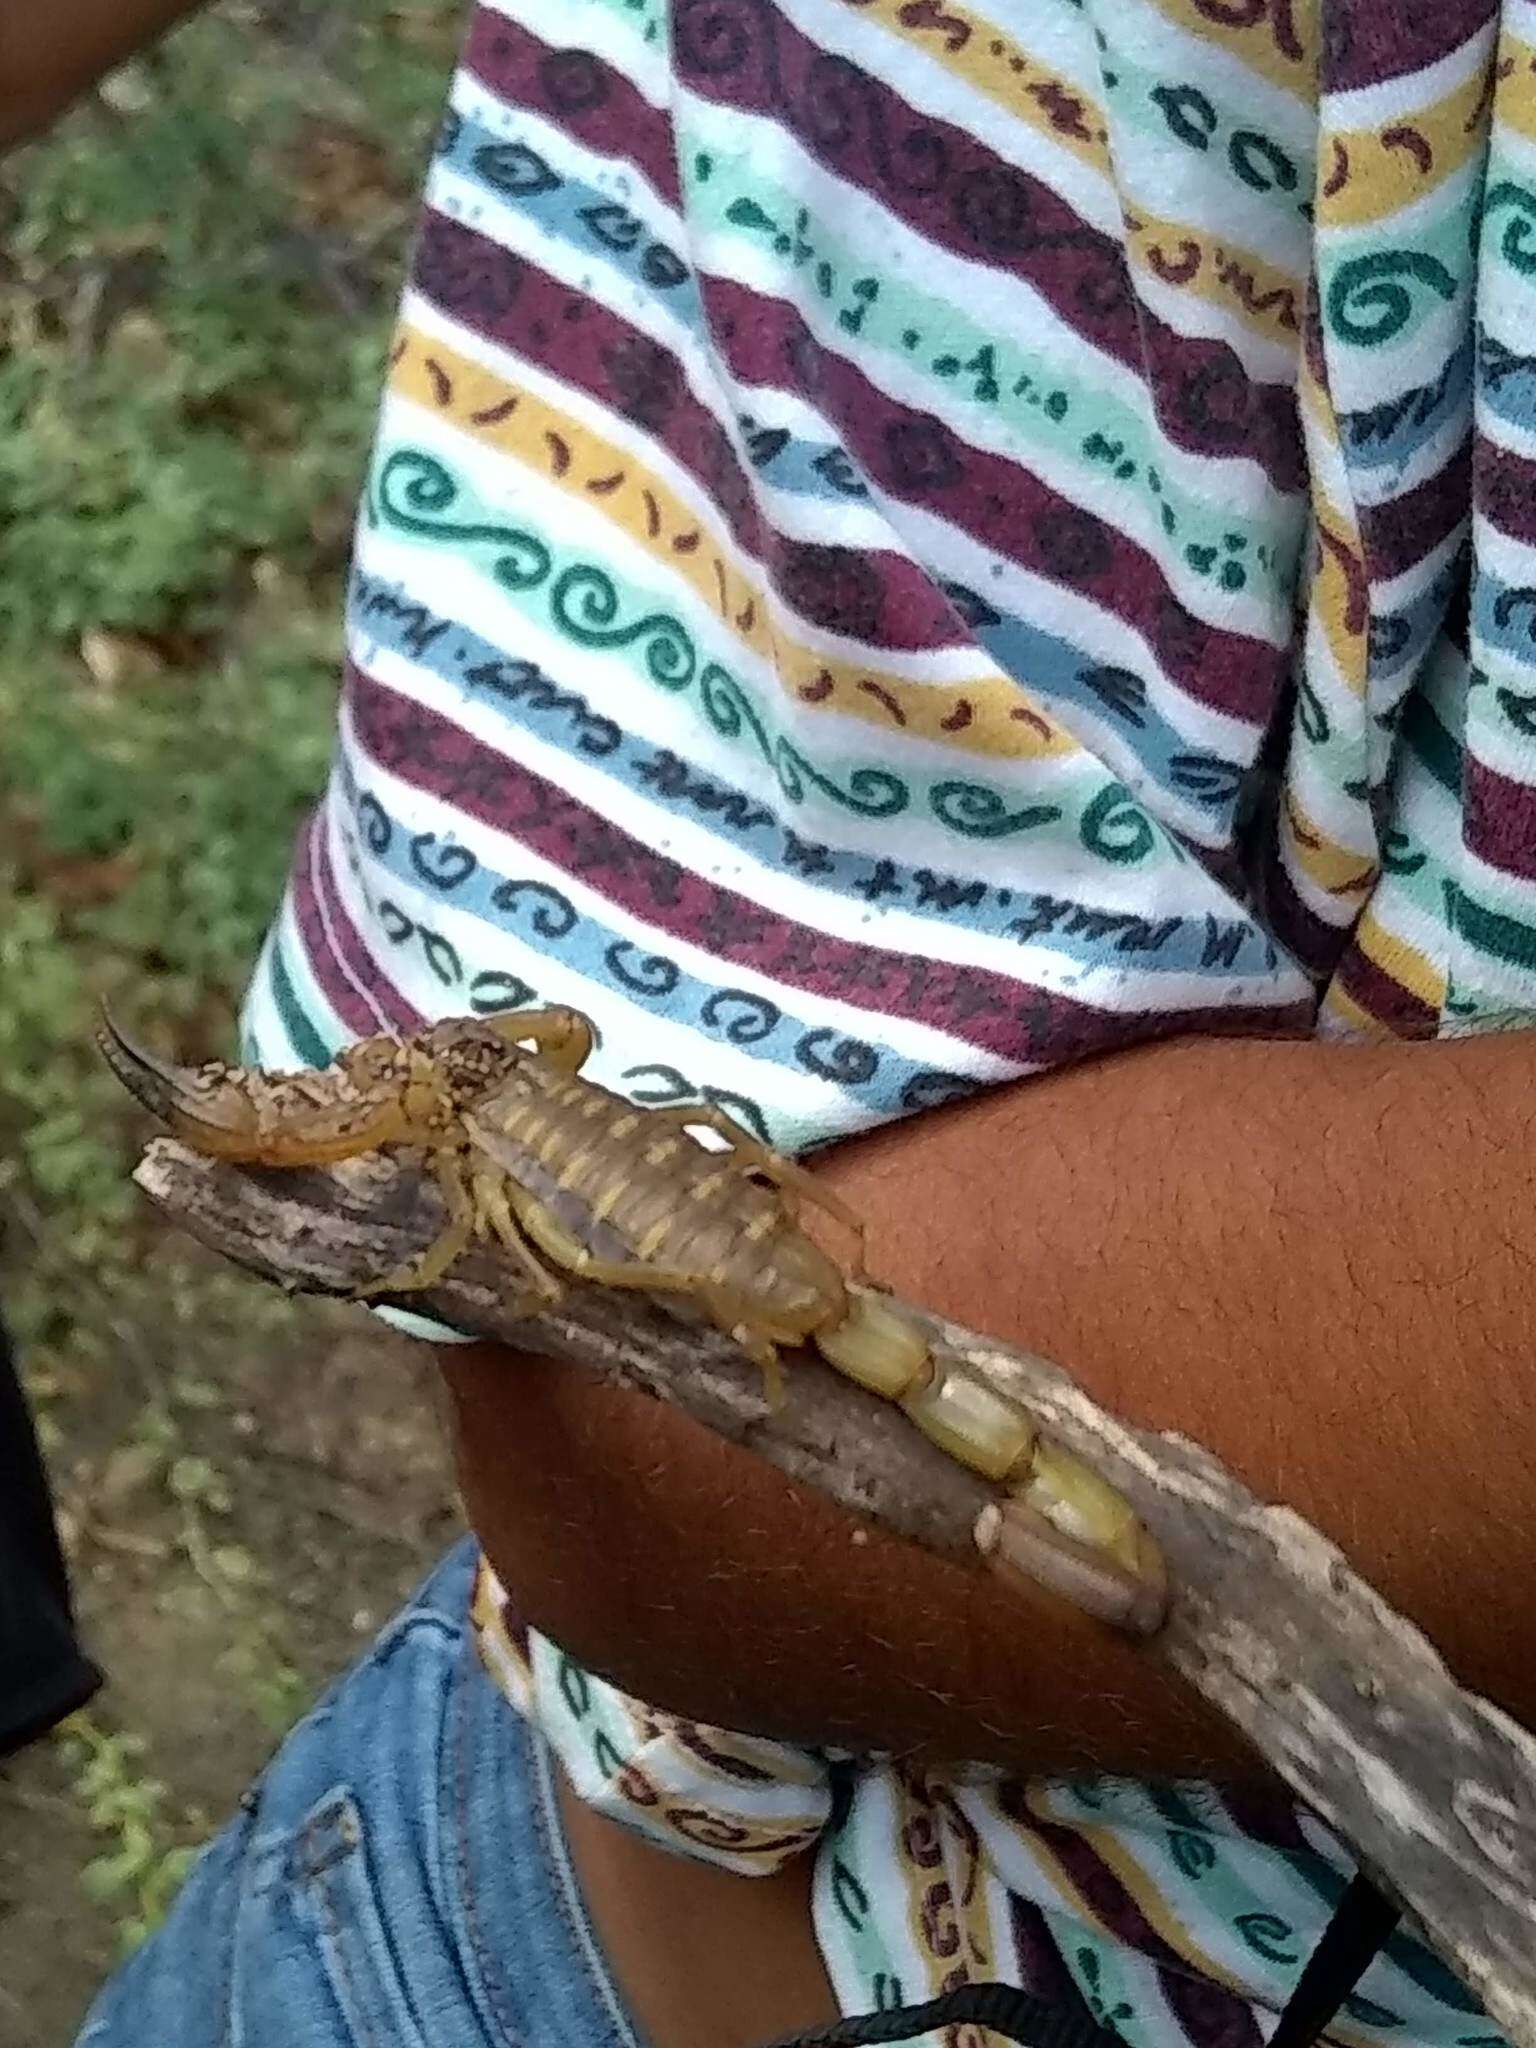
x: 909, y: 542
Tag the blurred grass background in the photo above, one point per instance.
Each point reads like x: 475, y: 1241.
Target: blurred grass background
x: 197, y: 275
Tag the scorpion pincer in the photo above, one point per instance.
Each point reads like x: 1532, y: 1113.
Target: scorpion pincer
x: 577, y: 1183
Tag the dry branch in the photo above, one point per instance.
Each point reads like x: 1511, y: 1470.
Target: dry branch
x: 1434, y: 1789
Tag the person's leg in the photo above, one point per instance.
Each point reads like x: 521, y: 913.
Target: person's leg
x: 44, y: 1674
x: 396, y: 1876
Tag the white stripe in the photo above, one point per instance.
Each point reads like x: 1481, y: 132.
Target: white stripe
x: 1012, y: 306
x: 1195, y: 316
x: 845, y: 522
x: 930, y: 87
x: 1163, y: 48
x: 1132, y: 513
x: 1379, y: 483
x: 632, y: 1035
x: 1187, y: 890
x: 448, y: 582
x: 415, y: 810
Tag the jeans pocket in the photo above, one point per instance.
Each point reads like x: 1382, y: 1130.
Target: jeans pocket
x: 335, y: 1891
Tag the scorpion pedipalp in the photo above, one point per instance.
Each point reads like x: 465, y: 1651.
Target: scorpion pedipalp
x: 194, y: 1100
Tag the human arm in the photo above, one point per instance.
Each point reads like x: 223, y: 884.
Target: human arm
x: 50, y: 55
x: 1307, y: 1256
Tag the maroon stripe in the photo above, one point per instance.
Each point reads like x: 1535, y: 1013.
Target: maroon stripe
x: 1380, y: 996
x: 382, y: 1002
x: 1266, y: 1815
x: 326, y: 932
x: 1209, y: 2015
x: 917, y: 459
x: 1405, y: 529
x: 1310, y: 940
x: 955, y: 191
x: 1365, y: 43
x: 866, y: 594
x: 352, y: 949
x: 1109, y: 1901
x: 1041, y: 1968
x: 576, y: 91
x: 1500, y: 825
x: 978, y: 1006
x: 1504, y: 489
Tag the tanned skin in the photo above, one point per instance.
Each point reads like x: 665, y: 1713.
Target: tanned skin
x: 51, y: 54
x: 1318, y: 1260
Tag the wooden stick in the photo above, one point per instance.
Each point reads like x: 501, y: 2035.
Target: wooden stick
x: 1434, y: 1789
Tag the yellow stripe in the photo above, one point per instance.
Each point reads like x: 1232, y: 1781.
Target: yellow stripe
x: 915, y: 1821
x: 507, y: 1667
x: 1339, y: 870
x: 1516, y: 103
x: 1278, y: 41
x: 1340, y: 1005
x: 1367, y: 174
x: 1156, y: 1908
x: 1400, y: 961
x: 970, y: 46
x: 989, y: 714
x: 1340, y: 595
x: 1258, y: 293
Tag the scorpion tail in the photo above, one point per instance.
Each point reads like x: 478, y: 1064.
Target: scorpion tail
x: 192, y: 1100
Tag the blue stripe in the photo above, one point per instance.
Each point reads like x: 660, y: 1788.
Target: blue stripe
x: 1504, y: 616
x: 531, y: 701
x: 544, y: 919
x: 1389, y: 435
x: 584, y: 217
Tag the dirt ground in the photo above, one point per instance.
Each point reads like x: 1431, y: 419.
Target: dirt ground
x: 241, y: 1515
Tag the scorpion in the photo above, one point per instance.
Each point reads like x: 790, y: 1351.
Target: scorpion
x: 577, y: 1183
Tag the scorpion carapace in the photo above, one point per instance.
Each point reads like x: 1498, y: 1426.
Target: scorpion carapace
x: 576, y: 1183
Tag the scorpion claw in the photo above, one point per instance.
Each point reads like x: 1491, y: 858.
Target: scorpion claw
x: 153, y: 1083
x: 201, y: 1103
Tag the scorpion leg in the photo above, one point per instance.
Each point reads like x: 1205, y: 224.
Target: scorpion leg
x: 730, y: 1311
x: 493, y: 1214
x: 414, y: 1274
x: 735, y: 1312
x: 563, y: 1037
x: 757, y: 1157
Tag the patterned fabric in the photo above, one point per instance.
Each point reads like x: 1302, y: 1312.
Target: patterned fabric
x: 908, y: 544
x: 1170, y: 1913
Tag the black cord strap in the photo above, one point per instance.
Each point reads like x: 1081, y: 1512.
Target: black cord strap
x: 1361, y: 1922
x: 1001, y: 2008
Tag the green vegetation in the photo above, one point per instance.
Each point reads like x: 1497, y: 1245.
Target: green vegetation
x: 197, y: 275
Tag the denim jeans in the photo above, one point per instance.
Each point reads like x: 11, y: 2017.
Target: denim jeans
x: 397, y: 1878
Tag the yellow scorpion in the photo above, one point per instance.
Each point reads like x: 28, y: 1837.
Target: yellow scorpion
x: 575, y: 1182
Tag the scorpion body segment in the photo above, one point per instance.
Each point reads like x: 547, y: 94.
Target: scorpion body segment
x: 715, y: 1224
x: 577, y: 1183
